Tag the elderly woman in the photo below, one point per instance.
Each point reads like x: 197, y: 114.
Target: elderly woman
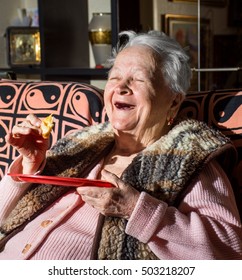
x: 170, y: 197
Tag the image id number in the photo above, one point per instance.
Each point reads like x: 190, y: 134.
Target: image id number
x: 174, y: 270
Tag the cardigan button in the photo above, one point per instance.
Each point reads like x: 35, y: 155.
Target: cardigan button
x: 26, y: 248
x: 46, y: 223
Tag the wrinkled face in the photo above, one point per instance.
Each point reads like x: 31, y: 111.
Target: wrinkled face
x: 136, y: 97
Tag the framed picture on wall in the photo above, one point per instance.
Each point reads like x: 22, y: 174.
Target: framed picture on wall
x: 184, y: 29
x: 194, y: 1
x: 215, y: 3
x: 23, y: 46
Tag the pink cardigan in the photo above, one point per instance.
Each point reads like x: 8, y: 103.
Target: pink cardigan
x: 206, y: 224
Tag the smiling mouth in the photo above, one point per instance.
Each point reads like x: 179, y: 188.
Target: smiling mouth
x: 123, y: 106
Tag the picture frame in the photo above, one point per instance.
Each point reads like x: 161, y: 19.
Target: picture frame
x: 193, y: 1
x: 184, y: 29
x: 214, y: 3
x: 23, y: 46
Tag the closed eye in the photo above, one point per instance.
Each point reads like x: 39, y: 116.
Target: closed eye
x: 113, y: 78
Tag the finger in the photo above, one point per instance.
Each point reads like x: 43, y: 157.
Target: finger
x: 110, y: 177
x: 34, y: 120
x: 96, y: 194
x: 25, y: 128
x: 91, y: 191
x: 11, y: 139
x: 30, y: 121
x: 113, y: 179
x: 93, y: 201
x: 98, y: 199
x: 87, y: 199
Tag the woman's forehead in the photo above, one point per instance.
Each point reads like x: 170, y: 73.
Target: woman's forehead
x: 141, y: 56
x: 136, y: 49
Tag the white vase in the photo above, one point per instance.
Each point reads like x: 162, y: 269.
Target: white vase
x: 100, y: 37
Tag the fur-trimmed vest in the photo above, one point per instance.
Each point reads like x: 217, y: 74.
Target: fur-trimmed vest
x: 163, y: 169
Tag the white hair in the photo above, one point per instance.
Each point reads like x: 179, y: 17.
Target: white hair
x: 173, y: 62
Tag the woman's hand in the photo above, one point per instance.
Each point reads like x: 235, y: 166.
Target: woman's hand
x: 27, y: 139
x: 118, y: 201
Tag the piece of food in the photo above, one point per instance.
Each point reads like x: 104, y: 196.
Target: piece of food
x: 46, y: 126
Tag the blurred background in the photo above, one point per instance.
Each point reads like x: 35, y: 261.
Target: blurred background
x: 62, y: 48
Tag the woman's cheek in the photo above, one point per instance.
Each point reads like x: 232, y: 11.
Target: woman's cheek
x: 106, y: 99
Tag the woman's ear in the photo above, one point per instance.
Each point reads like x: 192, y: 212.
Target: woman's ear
x: 177, y: 100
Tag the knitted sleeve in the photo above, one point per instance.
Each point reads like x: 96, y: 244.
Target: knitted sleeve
x: 10, y: 190
x: 206, y: 224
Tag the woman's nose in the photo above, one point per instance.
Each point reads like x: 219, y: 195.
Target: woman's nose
x: 122, y: 88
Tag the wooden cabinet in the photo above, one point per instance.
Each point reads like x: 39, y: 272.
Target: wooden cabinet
x: 64, y: 38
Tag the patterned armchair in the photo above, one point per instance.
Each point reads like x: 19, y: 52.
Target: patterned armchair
x: 221, y: 109
x: 73, y: 105
x: 76, y: 105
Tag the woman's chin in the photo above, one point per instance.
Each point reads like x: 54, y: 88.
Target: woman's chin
x: 122, y: 126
